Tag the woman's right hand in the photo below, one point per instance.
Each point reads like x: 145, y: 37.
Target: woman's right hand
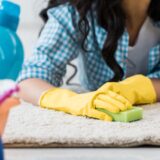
x: 84, y: 104
x: 71, y: 102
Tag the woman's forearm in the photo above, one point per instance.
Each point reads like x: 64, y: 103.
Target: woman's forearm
x: 32, y: 89
x: 156, y: 84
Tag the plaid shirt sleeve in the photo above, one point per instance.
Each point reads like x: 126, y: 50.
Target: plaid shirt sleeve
x: 55, y: 48
x: 155, y: 73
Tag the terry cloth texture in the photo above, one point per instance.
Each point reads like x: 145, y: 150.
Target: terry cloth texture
x: 31, y: 126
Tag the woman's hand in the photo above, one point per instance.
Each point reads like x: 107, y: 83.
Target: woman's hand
x: 84, y: 104
x: 137, y: 89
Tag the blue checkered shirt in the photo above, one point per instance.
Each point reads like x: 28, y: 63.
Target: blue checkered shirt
x: 59, y: 44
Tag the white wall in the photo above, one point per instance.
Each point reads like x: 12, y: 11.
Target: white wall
x: 30, y: 9
x: 30, y: 24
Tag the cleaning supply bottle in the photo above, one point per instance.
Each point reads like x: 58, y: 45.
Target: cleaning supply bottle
x: 7, y: 102
x: 1, y: 150
x: 11, y: 49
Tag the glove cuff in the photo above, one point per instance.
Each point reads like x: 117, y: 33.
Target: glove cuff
x: 44, y: 93
x: 143, y: 87
x: 151, y: 89
x: 54, y: 94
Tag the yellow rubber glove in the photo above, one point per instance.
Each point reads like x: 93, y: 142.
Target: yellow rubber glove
x: 84, y: 104
x: 137, y: 89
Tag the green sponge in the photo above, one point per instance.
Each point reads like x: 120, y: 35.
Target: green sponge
x: 134, y: 114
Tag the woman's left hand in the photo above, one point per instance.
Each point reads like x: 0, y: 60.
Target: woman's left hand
x: 137, y: 89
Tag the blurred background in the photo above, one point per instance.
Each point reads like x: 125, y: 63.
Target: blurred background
x: 30, y: 22
x: 30, y: 25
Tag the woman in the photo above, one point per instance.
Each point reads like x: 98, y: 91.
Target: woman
x: 113, y: 40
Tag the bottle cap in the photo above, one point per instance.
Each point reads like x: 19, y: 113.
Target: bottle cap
x: 9, y: 14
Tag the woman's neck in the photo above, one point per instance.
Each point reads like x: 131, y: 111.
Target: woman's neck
x: 136, y: 13
x: 135, y: 10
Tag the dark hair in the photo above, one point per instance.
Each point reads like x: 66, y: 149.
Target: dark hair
x: 111, y: 17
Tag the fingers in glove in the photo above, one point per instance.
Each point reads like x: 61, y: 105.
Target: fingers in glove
x: 114, y: 103
x: 99, y: 115
x: 123, y: 100
x: 100, y: 103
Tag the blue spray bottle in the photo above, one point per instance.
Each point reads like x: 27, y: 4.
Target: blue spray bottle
x: 1, y: 150
x: 11, y: 50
